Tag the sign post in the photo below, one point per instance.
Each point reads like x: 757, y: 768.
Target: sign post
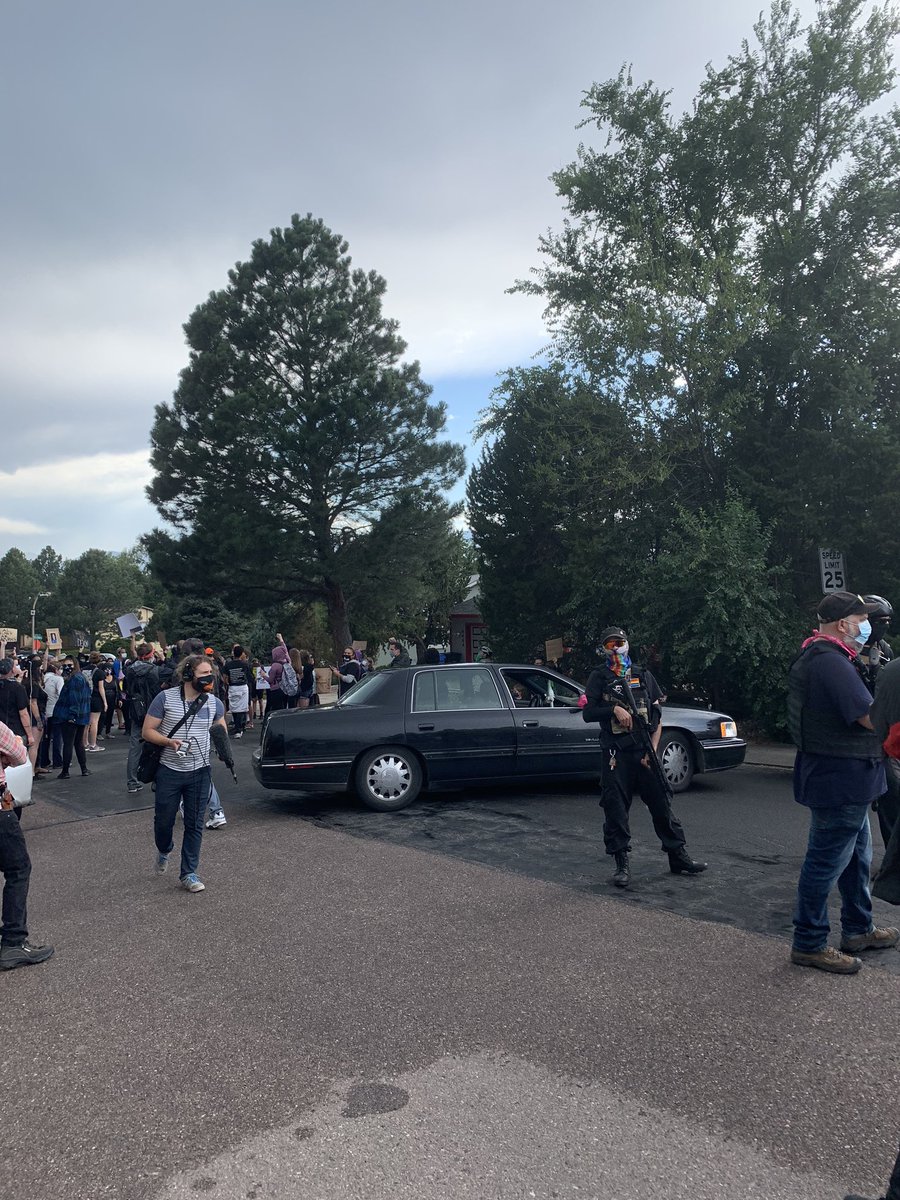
x: 831, y: 566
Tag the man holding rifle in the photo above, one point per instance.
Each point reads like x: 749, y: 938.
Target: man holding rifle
x: 625, y: 702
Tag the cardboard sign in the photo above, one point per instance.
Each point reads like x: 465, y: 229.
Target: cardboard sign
x: 54, y: 641
x: 553, y: 649
x: 9, y: 635
x: 360, y: 646
x: 129, y: 625
x: 81, y: 639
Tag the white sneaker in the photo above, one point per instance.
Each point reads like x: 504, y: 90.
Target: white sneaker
x: 216, y: 821
x: 191, y: 883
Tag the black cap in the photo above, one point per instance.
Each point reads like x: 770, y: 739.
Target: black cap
x: 5, y: 666
x: 613, y: 631
x: 835, y: 606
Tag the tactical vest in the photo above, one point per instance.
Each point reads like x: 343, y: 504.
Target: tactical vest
x: 817, y: 732
x: 614, y: 693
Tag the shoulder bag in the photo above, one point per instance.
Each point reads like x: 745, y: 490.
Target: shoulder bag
x: 151, y: 753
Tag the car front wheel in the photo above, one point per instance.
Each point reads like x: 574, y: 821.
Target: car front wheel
x: 677, y: 757
x: 388, y: 779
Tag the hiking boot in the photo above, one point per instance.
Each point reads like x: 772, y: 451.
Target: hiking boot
x: 875, y: 939
x: 23, y: 956
x: 681, y: 863
x: 622, y: 876
x: 827, y: 959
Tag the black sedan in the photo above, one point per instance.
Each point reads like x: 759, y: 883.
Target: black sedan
x: 470, y: 723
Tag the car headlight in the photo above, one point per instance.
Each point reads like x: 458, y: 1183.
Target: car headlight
x: 728, y: 729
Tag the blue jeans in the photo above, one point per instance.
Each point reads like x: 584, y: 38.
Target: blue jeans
x: 172, y: 787
x: 839, y: 852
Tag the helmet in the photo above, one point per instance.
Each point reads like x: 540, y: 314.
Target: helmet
x: 883, y: 611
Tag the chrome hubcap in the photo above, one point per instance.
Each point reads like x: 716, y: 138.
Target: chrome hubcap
x: 388, y: 778
x: 675, y: 763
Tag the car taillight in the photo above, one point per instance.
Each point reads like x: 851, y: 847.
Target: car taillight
x: 728, y: 729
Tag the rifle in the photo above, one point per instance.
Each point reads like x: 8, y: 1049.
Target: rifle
x: 641, y: 731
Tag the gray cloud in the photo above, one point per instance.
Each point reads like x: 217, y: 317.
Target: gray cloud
x: 147, y: 146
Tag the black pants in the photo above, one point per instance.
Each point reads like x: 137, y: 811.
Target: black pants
x: 621, y: 773
x: 277, y: 700
x: 16, y: 868
x: 888, y: 805
x: 73, y: 737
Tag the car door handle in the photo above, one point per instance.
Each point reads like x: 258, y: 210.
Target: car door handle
x: 425, y: 728
x: 530, y: 724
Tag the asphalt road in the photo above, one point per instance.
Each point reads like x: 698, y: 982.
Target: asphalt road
x: 450, y: 1001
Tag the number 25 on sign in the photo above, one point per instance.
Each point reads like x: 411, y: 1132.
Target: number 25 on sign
x: 831, y: 565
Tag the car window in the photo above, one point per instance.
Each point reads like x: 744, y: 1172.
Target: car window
x: 467, y: 688
x: 538, y: 689
x: 364, y: 691
x: 423, y: 692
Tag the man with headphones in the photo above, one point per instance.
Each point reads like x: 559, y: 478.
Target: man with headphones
x: 179, y: 720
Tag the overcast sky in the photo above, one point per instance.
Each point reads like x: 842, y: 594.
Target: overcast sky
x: 146, y: 146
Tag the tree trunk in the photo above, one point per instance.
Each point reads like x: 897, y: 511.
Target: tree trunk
x: 338, y: 620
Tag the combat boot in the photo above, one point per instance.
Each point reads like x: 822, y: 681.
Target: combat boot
x: 622, y: 876
x: 681, y: 863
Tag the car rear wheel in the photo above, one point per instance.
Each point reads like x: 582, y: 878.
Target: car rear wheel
x: 677, y: 757
x: 388, y: 779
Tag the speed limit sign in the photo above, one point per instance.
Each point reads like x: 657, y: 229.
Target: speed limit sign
x: 831, y: 565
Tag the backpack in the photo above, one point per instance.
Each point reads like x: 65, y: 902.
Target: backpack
x: 142, y: 688
x: 289, y: 682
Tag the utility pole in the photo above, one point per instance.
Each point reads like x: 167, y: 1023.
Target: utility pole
x: 33, y: 611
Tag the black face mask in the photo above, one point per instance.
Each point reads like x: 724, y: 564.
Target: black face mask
x: 205, y: 683
x: 67, y: 671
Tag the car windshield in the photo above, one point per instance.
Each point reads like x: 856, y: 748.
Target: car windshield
x: 364, y: 691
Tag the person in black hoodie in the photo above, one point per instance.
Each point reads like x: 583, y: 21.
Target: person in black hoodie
x: 142, y: 683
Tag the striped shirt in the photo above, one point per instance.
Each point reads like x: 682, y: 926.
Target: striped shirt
x: 170, y: 706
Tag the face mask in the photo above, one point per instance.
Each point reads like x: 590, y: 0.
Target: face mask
x: 204, y: 683
x: 618, y: 659
x: 864, y: 630
x: 67, y: 671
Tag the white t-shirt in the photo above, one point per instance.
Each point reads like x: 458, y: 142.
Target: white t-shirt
x: 170, y: 705
x: 53, y: 685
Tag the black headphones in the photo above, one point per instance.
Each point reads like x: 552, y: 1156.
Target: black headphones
x: 187, y: 672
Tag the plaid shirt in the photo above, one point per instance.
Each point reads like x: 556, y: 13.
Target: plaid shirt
x: 12, y: 754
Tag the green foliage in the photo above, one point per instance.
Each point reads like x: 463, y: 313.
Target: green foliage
x: 727, y: 282
x: 19, y: 584
x: 406, y: 575
x: 48, y: 565
x: 711, y: 600
x: 96, y: 588
x: 294, y: 429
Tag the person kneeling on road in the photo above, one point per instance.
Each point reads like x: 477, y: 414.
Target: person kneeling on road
x: 625, y: 763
